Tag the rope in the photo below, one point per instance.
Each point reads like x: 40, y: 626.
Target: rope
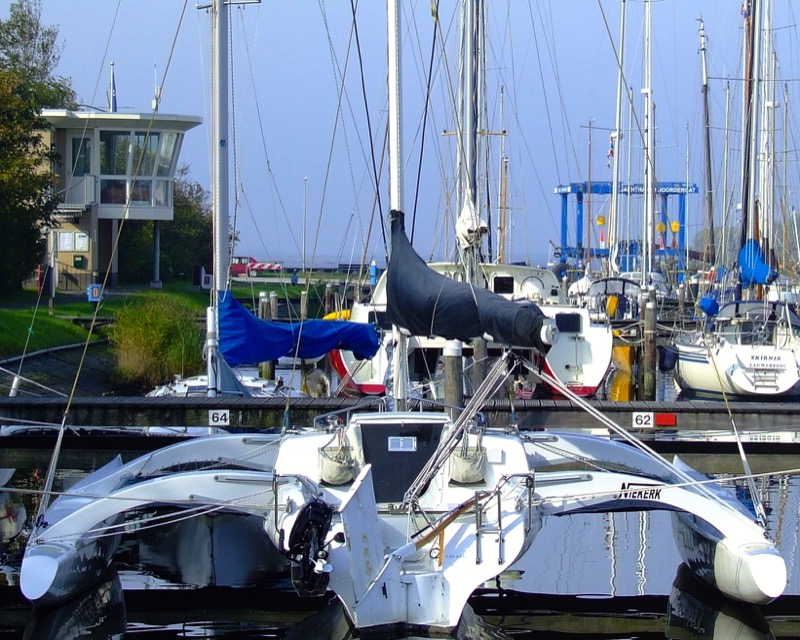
x: 613, y: 426
x: 50, y: 476
x: 757, y: 504
x: 498, y: 373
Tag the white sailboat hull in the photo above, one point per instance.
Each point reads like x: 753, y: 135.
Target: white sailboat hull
x: 579, y: 359
x: 762, y: 370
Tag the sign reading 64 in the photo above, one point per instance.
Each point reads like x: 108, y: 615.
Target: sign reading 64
x: 219, y: 417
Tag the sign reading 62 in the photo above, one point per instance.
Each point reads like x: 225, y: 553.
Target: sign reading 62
x: 642, y: 420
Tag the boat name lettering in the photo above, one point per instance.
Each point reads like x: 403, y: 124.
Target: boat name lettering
x: 633, y: 491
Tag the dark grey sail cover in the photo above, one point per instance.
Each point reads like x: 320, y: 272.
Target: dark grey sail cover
x: 426, y: 303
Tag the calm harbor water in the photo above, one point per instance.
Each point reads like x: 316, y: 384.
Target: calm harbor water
x: 609, y: 576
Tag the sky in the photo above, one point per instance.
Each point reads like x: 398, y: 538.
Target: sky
x: 308, y: 107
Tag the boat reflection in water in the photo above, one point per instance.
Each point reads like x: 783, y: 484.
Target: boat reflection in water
x: 697, y: 612
x: 196, y: 551
x: 693, y: 612
x: 97, y: 613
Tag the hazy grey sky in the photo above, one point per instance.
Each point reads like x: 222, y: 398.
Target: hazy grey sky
x: 303, y: 150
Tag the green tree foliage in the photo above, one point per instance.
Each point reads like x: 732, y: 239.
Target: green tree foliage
x: 186, y: 241
x: 26, y: 191
x: 32, y: 52
x: 29, y: 54
x: 190, y: 234
x: 156, y: 339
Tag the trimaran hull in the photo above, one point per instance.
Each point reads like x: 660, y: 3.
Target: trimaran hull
x: 722, y: 545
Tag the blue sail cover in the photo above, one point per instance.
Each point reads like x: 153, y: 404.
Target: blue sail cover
x: 708, y: 304
x: 753, y: 266
x: 245, y: 339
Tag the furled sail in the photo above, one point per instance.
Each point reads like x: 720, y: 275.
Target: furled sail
x: 426, y: 303
x: 245, y: 339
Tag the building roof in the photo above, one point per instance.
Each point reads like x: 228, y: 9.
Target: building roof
x: 67, y: 119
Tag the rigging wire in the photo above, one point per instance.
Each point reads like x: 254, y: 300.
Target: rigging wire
x: 51, y: 470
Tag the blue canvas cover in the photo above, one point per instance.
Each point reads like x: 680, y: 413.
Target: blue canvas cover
x: 246, y: 339
x: 708, y: 304
x: 753, y: 266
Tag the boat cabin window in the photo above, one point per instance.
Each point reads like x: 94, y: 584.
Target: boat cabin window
x: 397, y: 452
x: 568, y: 322
x: 503, y: 284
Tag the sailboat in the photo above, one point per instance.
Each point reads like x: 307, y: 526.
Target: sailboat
x: 581, y: 357
x: 748, y: 344
x: 403, y: 514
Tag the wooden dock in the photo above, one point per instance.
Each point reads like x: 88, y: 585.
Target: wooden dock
x: 772, y: 424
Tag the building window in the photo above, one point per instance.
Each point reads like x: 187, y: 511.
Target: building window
x: 145, y: 149
x: 166, y: 154
x: 114, y: 152
x: 81, y: 157
x: 112, y: 191
x: 137, y: 167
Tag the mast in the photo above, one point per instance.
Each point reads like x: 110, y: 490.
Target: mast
x: 219, y: 181
x: 469, y: 228
x: 399, y: 360
x: 750, y: 133
x: 502, y: 251
x: 613, y: 217
x: 726, y: 201
x: 502, y: 196
x: 709, y: 253
x: 649, y: 144
x: 588, y: 247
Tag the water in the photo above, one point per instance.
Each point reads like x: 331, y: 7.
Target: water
x: 593, y: 576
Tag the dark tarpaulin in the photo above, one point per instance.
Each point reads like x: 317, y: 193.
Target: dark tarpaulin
x: 426, y: 303
x: 245, y: 339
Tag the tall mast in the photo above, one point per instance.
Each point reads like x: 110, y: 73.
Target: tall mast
x: 399, y: 359
x: 649, y: 161
x: 613, y: 217
x: 469, y: 230
x: 219, y: 181
x: 750, y: 133
x: 709, y: 252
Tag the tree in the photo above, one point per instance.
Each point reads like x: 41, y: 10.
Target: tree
x: 27, y: 199
x: 186, y: 241
x: 29, y: 54
x: 189, y: 237
x: 32, y: 52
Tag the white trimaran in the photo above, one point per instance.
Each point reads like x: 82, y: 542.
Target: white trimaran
x: 402, y: 514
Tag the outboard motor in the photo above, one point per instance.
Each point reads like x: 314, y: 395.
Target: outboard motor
x: 309, y: 570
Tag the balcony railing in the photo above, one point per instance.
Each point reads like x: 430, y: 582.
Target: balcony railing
x: 80, y: 193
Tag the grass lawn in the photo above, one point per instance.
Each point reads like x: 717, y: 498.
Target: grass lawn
x: 26, y: 317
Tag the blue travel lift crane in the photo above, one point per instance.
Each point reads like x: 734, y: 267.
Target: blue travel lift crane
x: 630, y: 251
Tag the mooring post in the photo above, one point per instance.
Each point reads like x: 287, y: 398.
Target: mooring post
x: 265, y: 369
x: 328, y: 298
x: 305, y: 366
x: 453, y: 374
x: 273, y: 305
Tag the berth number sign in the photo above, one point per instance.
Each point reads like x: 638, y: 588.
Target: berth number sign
x: 219, y: 417
x: 642, y: 419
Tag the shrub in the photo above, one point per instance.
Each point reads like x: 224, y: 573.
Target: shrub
x: 155, y: 339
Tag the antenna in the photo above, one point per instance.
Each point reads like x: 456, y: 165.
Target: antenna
x: 156, y: 90
x: 112, y: 92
